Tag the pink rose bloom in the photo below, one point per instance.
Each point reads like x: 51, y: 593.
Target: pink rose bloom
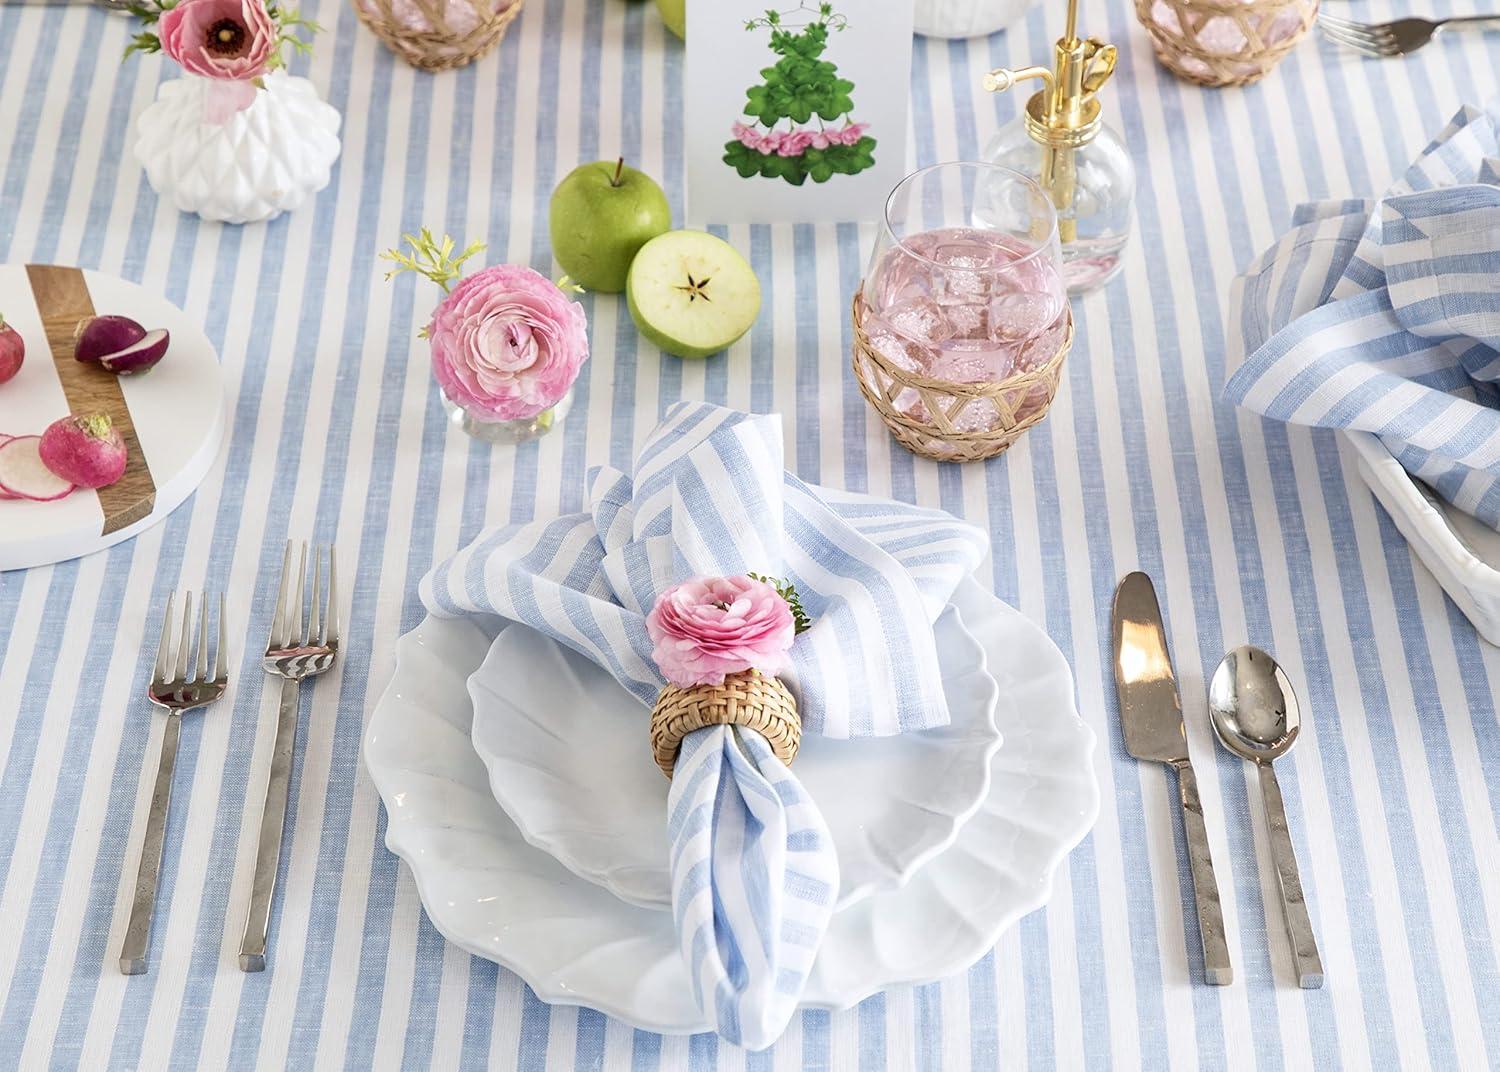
x: 507, y: 343
x: 852, y: 132
x: 709, y: 627
x: 768, y: 142
x: 231, y: 41
x: 821, y: 139
x: 746, y: 136
x: 795, y: 143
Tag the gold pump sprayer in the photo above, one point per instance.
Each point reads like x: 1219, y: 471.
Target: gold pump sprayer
x: 1065, y: 115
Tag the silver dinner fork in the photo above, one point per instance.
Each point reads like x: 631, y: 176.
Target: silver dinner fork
x: 295, y: 651
x: 174, y: 690
x: 1400, y: 36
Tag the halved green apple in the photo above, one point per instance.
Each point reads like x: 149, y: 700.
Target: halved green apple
x: 691, y: 294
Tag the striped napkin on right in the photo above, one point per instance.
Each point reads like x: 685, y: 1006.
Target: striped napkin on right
x: 1384, y: 316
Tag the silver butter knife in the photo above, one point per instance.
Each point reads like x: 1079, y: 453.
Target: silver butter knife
x: 1151, y: 716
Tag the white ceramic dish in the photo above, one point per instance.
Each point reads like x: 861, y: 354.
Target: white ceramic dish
x: 1462, y: 553
x: 176, y: 411
x: 489, y: 892
x: 600, y: 810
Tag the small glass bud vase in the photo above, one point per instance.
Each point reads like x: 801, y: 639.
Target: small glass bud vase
x: 1092, y: 187
x: 521, y: 430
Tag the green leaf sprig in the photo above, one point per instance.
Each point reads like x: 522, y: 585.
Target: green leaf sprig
x: 787, y: 591
x: 431, y: 257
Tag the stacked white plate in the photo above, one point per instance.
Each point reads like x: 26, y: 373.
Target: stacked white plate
x: 522, y: 793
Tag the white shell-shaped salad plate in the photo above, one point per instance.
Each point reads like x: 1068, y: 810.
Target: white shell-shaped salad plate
x: 569, y: 761
x: 489, y: 892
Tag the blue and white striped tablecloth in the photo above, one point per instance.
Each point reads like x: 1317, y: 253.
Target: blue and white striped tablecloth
x: 1254, y: 531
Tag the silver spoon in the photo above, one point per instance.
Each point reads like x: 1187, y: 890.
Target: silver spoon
x: 1254, y: 712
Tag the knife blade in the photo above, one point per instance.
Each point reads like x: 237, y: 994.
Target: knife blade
x: 1151, y: 718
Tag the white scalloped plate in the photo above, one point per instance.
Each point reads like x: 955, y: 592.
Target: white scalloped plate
x: 489, y: 892
x: 569, y: 762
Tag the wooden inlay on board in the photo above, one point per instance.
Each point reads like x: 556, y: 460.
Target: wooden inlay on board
x: 62, y: 297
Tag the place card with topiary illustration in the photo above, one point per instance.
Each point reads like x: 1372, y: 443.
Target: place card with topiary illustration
x: 795, y: 114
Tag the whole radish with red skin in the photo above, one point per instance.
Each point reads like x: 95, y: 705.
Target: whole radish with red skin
x: 85, y: 450
x: 12, y: 350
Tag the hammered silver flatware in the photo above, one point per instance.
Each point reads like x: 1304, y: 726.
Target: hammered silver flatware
x: 175, y: 689
x: 296, y: 650
x: 1255, y: 714
x: 1399, y: 36
x: 1151, y: 717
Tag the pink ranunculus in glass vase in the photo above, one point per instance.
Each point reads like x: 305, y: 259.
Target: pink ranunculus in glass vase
x: 507, y: 343
x: 707, y: 628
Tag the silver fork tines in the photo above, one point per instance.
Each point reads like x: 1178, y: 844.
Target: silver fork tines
x: 294, y: 651
x: 1399, y: 36
x: 176, y: 690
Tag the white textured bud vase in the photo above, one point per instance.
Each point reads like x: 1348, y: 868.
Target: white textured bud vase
x: 265, y: 160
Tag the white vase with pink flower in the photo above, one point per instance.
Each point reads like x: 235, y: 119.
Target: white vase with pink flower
x: 507, y: 343
x: 236, y: 139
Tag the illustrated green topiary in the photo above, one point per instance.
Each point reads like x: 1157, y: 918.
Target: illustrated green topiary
x: 806, y: 92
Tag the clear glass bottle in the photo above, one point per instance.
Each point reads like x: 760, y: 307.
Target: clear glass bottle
x: 1060, y: 140
x: 1094, y: 209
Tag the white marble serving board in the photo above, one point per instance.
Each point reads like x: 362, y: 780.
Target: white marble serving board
x: 172, y: 417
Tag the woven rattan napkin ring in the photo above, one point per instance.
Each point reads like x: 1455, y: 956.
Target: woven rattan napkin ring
x: 749, y: 699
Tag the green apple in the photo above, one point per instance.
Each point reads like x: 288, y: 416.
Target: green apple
x: 691, y: 293
x: 674, y: 14
x: 600, y: 215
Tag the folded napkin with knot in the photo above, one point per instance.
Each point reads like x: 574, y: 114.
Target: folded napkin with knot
x: 754, y: 873
x: 1384, y: 316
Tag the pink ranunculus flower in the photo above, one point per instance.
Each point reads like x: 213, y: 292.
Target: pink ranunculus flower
x: 745, y: 135
x: 231, y: 41
x: 507, y: 343
x: 852, y: 132
x: 795, y: 143
x: 709, y: 627
x: 768, y: 142
x: 822, y: 138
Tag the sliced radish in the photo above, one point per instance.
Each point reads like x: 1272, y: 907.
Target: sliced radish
x: 22, y: 474
x: 139, y: 355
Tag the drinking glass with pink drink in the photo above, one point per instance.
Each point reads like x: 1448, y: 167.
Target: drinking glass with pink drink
x: 965, y: 284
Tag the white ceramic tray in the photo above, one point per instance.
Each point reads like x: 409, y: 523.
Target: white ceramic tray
x: 1462, y: 554
x: 172, y: 418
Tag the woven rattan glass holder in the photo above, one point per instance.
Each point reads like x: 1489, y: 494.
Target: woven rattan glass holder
x: 747, y: 699
x: 438, y: 35
x: 1224, y: 42
x: 937, y: 418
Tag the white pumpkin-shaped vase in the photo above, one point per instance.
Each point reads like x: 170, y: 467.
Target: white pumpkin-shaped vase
x: 261, y: 161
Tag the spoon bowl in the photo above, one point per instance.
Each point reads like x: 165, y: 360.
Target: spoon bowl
x: 1252, y: 705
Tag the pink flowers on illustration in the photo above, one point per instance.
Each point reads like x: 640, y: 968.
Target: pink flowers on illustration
x: 797, y: 141
x: 507, y: 342
x: 231, y: 41
x: 709, y: 627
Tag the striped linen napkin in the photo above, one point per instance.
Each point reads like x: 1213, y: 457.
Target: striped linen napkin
x: 754, y: 874
x: 1384, y: 316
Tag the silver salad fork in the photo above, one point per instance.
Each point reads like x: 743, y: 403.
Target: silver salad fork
x: 174, y: 690
x: 294, y: 651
